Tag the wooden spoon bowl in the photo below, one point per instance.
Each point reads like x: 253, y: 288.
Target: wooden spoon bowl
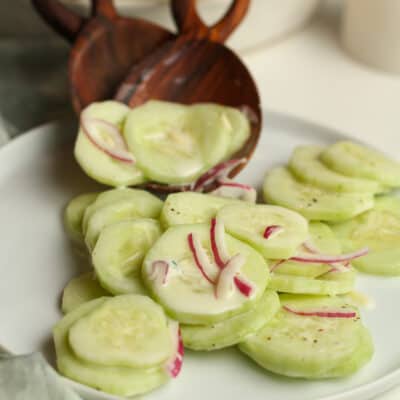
x: 105, y: 46
x: 197, y: 67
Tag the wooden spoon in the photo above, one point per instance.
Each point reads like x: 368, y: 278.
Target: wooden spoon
x: 105, y: 47
x: 196, y: 67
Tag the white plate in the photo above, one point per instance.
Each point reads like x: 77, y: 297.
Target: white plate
x: 37, y: 177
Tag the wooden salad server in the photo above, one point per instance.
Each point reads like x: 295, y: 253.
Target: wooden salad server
x: 195, y: 67
x: 134, y: 61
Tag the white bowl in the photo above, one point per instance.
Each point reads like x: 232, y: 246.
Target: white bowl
x: 266, y: 22
x: 371, y: 33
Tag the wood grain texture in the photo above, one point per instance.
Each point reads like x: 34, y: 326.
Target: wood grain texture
x: 62, y: 20
x: 188, y: 20
x: 104, y: 53
x: 105, y: 47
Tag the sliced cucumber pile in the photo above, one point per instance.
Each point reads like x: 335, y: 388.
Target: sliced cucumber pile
x: 113, y: 196
x: 311, y: 346
x: 119, y: 227
x: 313, y: 278
x: 282, y: 188
x: 379, y: 230
x: 128, y: 204
x: 355, y: 160
x: 249, y: 222
x: 305, y: 163
x: 219, y: 265
x: 80, y: 290
x: 337, y: 184
x: 119, y: 253
x: 189, y: 296
x: 232, y: 330
x: 98, y: 164
x: 174, y: 143
x: 331, y: 184
x: 122, y: 331
x: 160, y: 141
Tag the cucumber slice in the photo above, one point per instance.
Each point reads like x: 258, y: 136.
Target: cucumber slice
x: 138, y: 204
x: 97, y: 164
x: 248, y: 222
x: 80, y: 290
x: 110, y: 197
x: 119, y: 253
x: 233, y: 330
x: 121, y: 381
x: 379, y: 230
x: 234, y: 120
x: 306, y: 165
x: 127, y: 331
x: 321, y: 238
x: 310, y: 347
x: 281, y: 188
x: 73, y: 215
x: 191, y: 208
x: 188, y: 297
x: 353, y: 159
x: 330, y: 283
x: 174, y: 143
x: 293, y: 268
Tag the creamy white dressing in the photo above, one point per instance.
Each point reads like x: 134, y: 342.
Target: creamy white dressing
x: 187, y: 291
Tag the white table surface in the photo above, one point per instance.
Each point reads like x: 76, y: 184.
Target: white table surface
x: 309, y: 75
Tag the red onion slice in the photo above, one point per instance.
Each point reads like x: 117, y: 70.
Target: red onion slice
x: 276, y: 265
x: 221, y: 255
x: 245, y: 287
x: 327, y: 259
x: 174, y: 364
x: 321, y: 313
x: 200, y: 257
x: 271, y: 231
x: 107, y: 138
x: 159, y: 272
x: 221, y: 170
x: 340, y: 268
x: 226, y: 277
x: 311, y: 248
x: 230, y: 183
x: 218, y: 247
x: 234, y: 190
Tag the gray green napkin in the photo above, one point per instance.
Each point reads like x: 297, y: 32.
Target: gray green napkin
x: 29, y: 377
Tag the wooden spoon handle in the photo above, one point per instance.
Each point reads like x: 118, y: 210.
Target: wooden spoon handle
x: 105, y: 8
x: 228, y: 23
x: 60, y: 18
x: 188, y: 20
